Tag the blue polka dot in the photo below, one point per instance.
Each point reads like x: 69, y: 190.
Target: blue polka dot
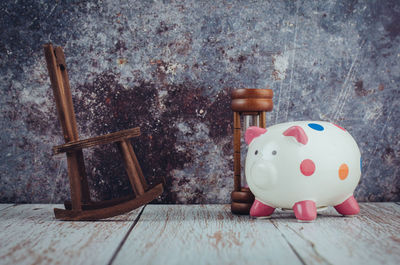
x: 316, y: 127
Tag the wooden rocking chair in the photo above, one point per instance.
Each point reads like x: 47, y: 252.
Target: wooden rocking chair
x: 81, y: 207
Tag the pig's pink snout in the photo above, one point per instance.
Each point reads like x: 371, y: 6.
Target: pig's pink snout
x: 263, y: 175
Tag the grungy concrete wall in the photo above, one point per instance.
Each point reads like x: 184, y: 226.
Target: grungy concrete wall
x: 169, y: 67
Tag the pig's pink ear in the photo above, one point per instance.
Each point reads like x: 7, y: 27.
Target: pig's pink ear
x: 253, y: 132
x: 298, y: 133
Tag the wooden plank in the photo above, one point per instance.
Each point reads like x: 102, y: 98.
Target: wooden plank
x: 5, y: 206
x: 372, y: 237
x: 98, y: 140
x: 196, y: 234
x: 176, y: 234
x: 30, y: 235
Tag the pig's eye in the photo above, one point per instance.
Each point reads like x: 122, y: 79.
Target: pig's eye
x: 256, y: 152
x: 274, y: 152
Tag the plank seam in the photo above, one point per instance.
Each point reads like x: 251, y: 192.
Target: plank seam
x: 290, y: 244
x: 12, y: 205
x: 312, y: 244
x: 398, y: 203
x: 125, y: 237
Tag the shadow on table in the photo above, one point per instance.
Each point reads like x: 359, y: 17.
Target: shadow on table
x: 216, y: 213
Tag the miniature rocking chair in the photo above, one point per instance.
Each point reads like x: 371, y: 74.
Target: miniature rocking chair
x: 81, y: 207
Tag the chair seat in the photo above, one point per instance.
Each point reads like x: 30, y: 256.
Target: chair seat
x: 98, y: 140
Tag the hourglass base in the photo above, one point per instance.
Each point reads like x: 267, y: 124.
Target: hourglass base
x: 241, y: 201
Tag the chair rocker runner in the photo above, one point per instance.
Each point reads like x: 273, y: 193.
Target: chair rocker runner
x: 81, y: 207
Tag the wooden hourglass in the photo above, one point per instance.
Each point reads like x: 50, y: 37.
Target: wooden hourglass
x: 251, y: 105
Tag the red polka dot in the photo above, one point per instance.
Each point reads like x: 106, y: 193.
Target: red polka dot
x: 307, y: 167
x: 339, y: 127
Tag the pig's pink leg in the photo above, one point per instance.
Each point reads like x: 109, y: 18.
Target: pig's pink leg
x: 348, y: 207
x: 305, y: 211
x: 259, y: 209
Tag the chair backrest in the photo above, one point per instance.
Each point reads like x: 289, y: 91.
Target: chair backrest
x: 60, y: 83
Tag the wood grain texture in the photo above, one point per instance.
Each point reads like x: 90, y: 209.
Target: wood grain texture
x: 263, y: 119
x: 130, y: 167
x: 236, y: 151
x: 252, y: 104
x: 31, y: 235
x: 252, y: 93
x: 137, y: 165
x: 372, y: 237
x: 210, y: 234
x: 98, y: 140
x: 61, y: 93
x: 5, y: 206
x: 65, y: 110
x: 200, y: 234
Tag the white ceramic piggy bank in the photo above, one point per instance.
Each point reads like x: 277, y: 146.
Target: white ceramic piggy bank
x: 303, y: 166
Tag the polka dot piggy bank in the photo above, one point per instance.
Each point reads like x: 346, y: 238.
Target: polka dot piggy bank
x: 303, y: 166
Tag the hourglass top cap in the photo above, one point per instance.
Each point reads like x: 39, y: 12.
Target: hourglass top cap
x: 252, y: 99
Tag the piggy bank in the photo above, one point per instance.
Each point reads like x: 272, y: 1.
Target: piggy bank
x: 304, y: 166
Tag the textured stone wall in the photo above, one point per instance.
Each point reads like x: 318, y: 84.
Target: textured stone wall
x: 169, y: 67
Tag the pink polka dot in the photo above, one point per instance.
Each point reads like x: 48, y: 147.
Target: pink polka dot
x: 339, y: 127
x: 307, y: 167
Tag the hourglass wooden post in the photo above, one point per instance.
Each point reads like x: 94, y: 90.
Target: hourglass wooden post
x: 246, y: 103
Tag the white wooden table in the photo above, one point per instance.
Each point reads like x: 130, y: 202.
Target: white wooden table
x: 199, y: 234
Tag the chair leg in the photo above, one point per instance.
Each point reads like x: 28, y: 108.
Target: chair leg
x: 74, y: 181
x: 137, y: 165
x: 130, y: 167
x: 82, y: 173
